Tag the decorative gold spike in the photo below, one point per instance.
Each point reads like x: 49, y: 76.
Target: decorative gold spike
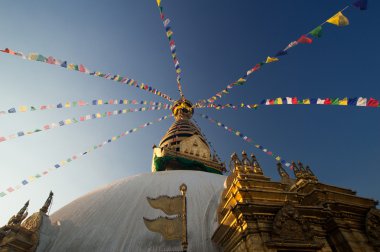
x: 44, y: 209
x: 20, y: 216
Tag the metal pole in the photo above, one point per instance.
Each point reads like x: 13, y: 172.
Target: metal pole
x: 183, y: 189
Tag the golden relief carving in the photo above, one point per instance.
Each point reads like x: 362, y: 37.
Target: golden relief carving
x: 288, y: 225
x: 169, y: 205
x: 373, y: 226
x: 169, y: 228
x: 33, y: 223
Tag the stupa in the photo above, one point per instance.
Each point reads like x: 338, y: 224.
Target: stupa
x: 244, y: 211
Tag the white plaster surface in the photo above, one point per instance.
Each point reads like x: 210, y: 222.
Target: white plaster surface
x: 111, y: 218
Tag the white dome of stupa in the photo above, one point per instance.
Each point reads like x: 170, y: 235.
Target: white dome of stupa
x: 111, y: 218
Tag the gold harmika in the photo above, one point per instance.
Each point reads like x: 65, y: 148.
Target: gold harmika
x: 171, y: 228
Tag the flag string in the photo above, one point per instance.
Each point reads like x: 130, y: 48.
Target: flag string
x: 173, y: 48
x: 81, y: 103
x: 338, y: 19
x: 74, y: 120
x: 356, y: 101
x: 81, y: 68
x: 246, y: 139
x: 64, y: 162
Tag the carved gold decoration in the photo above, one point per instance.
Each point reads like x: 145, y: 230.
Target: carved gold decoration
x: 373, y: 226
x: 170, y: 228
x: 288, y: 225
x: 169, y: 205
x: 33, y: 222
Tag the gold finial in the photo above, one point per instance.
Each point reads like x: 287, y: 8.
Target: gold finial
x: 20, y: 216
x: 44, y: 209
x: 281, y: 171
x: 182, y: 109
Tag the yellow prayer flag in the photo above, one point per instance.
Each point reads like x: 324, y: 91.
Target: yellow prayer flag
x: 67, y: 105
x: 270, y: 60
x: 100, y: 102
x: 67, y: 121
x: 306, y: 101
x: 98, y: 115
x: 343, y: 102
x: 158, y: 2
x: 278, y: 158
x: 23, y: 109
x: 279, y: 100
x: 338, y: 19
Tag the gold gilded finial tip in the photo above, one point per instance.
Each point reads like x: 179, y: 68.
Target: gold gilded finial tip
x: 182, y: 109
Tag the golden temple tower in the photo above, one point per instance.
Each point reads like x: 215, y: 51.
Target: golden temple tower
x: 184, y: 147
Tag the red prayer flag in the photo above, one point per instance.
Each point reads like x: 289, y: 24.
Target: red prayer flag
x: 372, y: 102
x: 271, y: 101
x: 304, y: 40
x: 294, y: 100
x: 7, y: 50
x: 327, y: 101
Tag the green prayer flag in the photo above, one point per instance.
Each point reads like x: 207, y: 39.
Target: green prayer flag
x: 335, y: 101
x: 317, y: 32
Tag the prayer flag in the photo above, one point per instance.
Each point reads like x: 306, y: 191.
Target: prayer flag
x: 12, y: 110
x: 23, y: 109
x: 317, y: 32
x: 306, y: 101
x: 320, y: 101
x: 292, y: 44
x: 338, y: 19
x: 158, y: 2
x: 327, y: 101
x: 335, y: 101
x: 362, y: 102
x: 352, y: 101
x: 281, y: 53
x: 278, y: 101
x: 304, y: 40
x: 360, y: 4
x: 24, y: 182
x: 270, y: 60
x: 343, y: 102
x: 294, y: 100
x: 10, y: 189
x: 372, y: 102
x: 289, y: 100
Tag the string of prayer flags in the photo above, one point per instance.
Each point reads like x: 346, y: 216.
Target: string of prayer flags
x: 246, y: 139
x: 64, y: 162
x: 338, y: 19
x: 81, y: 103
x: 356, y: 101
x: 81, y: 119
x: 173, y: 50
x: 81, y: 68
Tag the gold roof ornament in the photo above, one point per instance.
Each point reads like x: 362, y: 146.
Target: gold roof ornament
x: 184, y: 147
x: 44, y: 209
x: 20, y: 216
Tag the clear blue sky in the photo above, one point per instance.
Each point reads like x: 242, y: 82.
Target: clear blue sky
x: 217, y: 42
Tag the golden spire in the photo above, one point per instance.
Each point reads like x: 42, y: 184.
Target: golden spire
x: 44, y: 209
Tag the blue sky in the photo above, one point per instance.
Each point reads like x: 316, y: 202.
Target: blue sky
x: 217, y: 42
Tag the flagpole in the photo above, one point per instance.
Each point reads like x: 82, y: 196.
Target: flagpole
x: 183, y: 189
